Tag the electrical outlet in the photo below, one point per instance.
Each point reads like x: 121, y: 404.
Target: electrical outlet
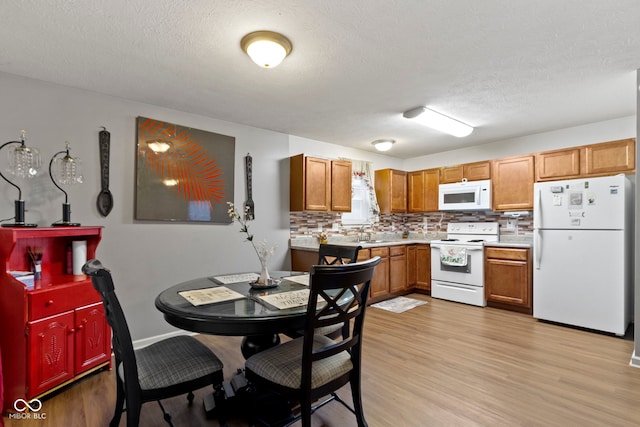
x: 511, y: 224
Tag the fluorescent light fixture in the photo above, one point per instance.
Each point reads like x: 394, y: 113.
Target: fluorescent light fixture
x: 438, y: 121
x: 266, y: 48
x: 383, y: 144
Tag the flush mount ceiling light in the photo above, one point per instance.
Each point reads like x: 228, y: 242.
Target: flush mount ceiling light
x: 266, y: 48
x: 438, y: 121
x: 383, y: 144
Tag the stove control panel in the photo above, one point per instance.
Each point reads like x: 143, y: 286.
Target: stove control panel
x: 489, y: 228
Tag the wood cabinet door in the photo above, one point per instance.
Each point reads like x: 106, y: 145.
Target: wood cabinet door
x: 508, y: 277
x: 50, y: 352
x: 512, y: 184
x: 398, y: 191
x: 423, y: 267
x: 506, y: 282
x: 411, y: 266
x: 391, y: 190
x: 341, y: 186
x: 431, y: 182
x: 380, y: 281
x: 450, y: 174
x: 317, y: 185
x: 415, y: 192
x: 397, y: 268
x: 610, y: 157
x: 558, y: 164
x: 477, y: 171
x: 92, y: 337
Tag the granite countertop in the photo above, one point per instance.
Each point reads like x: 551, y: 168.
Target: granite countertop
x: 311, y: 243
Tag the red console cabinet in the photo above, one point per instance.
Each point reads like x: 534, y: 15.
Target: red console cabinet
x: 54, y: 331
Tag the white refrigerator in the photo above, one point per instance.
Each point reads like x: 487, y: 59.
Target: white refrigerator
x: 583, y: 247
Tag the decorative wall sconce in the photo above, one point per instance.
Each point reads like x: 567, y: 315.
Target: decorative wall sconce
x: 67, y: 172
x: 24, y: 162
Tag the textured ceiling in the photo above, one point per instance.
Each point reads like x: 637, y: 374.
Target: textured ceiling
x: 507, y: 67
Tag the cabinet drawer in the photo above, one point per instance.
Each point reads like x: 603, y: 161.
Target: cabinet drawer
x: 58, y: 299
x: 381, y: 252
x: 507, y: 253
x: 397, y: 250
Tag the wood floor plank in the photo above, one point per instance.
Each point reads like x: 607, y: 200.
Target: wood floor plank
x: 440, y: 364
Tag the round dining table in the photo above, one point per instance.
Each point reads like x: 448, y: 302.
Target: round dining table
x: 247, y: 315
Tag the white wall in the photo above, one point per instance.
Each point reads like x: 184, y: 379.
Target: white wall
x: 144, y: 257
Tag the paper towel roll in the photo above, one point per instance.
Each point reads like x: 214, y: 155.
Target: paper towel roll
x: 79, y: 249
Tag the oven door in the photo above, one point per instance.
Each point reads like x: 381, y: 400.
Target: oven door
x: 470, y: 274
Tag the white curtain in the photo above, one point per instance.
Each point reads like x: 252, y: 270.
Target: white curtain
x: 362, y: 171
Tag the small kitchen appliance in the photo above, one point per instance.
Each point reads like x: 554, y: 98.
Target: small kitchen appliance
x: 457, y: 262
x: 465, y: 196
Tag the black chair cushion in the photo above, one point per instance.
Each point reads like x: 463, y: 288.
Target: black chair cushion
x: 283, y: 364
x: 173, y: 361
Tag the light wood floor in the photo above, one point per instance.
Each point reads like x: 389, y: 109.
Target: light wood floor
x: 441, y: 364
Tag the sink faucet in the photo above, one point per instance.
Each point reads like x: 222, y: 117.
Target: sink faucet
x: 361, y: 234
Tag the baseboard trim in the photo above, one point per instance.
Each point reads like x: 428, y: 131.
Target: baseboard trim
x: 137, y: 344
x: 635, y: 360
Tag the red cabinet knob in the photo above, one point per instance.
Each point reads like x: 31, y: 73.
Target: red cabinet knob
x: 50, y: 302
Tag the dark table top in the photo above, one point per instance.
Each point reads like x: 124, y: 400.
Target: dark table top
x: 240, y: 317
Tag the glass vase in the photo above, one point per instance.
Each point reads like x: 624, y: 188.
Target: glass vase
x: 264, y: 278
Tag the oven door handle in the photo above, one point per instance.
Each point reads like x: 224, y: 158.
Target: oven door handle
x: 472, y: 248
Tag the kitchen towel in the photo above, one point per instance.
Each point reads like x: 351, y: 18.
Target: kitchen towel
x: 453, y: 255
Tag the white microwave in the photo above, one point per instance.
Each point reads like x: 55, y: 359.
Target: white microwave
x: 465, y: 196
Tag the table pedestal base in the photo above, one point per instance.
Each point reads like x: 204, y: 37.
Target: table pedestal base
x: 244, y: 401
x: 256, y: 343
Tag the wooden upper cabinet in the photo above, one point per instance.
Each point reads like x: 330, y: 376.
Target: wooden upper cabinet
x: 423, y: 190
x: 558, y: 164
x: 471, y: 171
x: 610, y: 157
x: 605, y: 158
x: 314, y: 183
x: 340, y: 186
x: 391, y: 190
x: 512, y: 183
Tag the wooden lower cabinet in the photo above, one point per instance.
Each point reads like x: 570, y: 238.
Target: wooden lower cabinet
x: 423, y: 267
x: 411, y: 266
x: 380, y: 283
x: 397, y: 268
x: 508, y: 278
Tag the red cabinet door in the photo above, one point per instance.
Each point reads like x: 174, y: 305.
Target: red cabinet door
x: 92, y: 337
x: 50, y: 352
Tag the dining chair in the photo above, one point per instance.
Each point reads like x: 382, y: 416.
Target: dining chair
x: 329, y: 254
x: 336, y: 255
x: 313, y: 367
x: 170, y: 367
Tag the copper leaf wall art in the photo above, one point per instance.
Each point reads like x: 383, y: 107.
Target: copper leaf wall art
x: 182, y: 174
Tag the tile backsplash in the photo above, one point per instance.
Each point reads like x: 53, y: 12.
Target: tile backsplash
x: 306, y: 224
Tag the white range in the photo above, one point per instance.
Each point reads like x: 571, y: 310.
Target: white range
x: 457, y: 262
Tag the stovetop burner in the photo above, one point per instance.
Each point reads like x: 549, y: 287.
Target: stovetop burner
x: 475, y: 240
x: 449, y: 240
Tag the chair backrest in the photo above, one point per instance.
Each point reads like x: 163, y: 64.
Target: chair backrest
x: 338, y: 293
x: 337, y: 254
x: 122, y: 344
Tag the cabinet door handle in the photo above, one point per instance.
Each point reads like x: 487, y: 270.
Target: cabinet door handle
x: 80, y: 326
x: 48, y: 303
x: 72, y: 330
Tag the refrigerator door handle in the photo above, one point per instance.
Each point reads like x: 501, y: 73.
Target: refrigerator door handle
x: 537, y: 214
x: 537, y: 238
